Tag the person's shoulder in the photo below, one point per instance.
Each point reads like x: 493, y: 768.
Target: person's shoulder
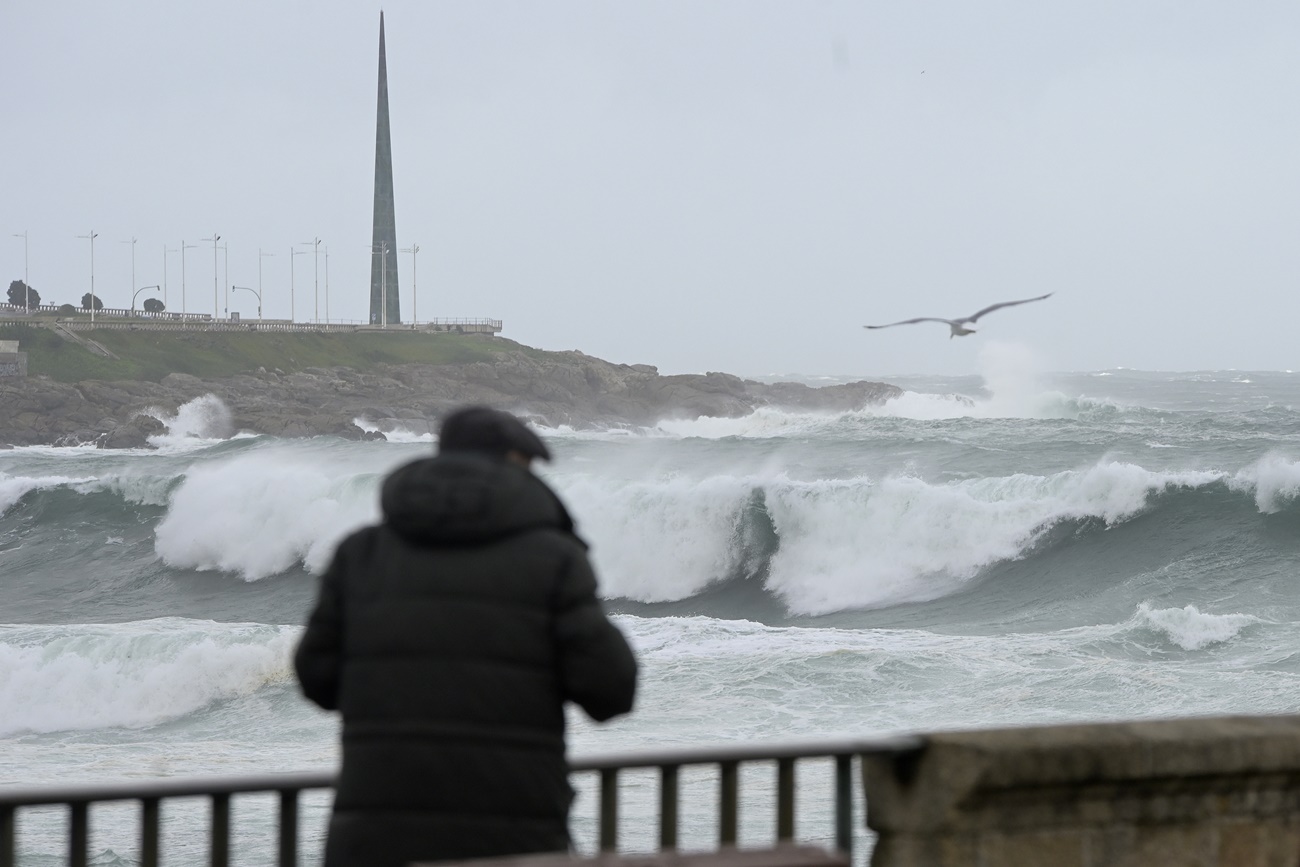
x: 359, y: 542
x: 563, y: 539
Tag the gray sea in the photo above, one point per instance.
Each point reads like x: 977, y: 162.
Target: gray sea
x: 1007, y: 548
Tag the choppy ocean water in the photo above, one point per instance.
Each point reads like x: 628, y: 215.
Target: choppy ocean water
x: 999, y: 549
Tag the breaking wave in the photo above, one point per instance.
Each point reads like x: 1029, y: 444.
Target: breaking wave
x: 61, y: 678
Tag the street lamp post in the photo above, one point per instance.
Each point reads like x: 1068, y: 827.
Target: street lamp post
x: 166, y: 250
x: 132, y: 243
x: 27, y: 289
x: 292, y: 253
x: 214, y: 239
x: 259, y: 299
x: 260, y: 257
x: 91, y: 237
x: 327, y: 285
x: 137, y: 292
x: 415, y: 317
x: 184, y: 247
x: 225, y: 274
x: 314, y: 243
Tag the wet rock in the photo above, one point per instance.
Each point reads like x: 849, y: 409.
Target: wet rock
x: 126, y: 436
x: 555, y: 388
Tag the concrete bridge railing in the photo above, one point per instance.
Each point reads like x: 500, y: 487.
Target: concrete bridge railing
x: 1211, y: 792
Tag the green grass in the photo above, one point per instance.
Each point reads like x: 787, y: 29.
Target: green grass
x: 151, y: 355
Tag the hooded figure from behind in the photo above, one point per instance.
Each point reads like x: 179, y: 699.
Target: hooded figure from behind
x: 449, y: 637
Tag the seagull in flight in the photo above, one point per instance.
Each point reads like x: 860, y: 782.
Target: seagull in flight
x: 958, y: 326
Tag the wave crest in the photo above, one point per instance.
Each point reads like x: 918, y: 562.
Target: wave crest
x: 1191, y: 629
x: 831, y: 545
x: 1275, y: 481
x: 62, y: 678
x: 203, y: 419
x: 259, y: 513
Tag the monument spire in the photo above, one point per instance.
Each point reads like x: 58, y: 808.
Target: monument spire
x: 384, y: 306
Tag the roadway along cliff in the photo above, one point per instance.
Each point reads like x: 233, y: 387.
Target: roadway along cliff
x: 562, y: 388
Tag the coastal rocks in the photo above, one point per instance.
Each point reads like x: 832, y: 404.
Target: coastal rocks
x: 134, y: 434
x: 553, y: 388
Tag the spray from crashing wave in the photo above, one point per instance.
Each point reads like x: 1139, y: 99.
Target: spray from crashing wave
x: 203, y: 419
x: 1275, y: 481
x: 1013, y: 379
x: 259, y: 513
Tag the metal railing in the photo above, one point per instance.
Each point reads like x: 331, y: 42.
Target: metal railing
x: 151, y: 795
x: 608, y: 769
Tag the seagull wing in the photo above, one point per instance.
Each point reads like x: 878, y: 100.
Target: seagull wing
x: 910, y: 321
x: 993, y: 307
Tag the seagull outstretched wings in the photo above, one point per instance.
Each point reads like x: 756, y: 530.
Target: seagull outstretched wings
x: 958, y: 326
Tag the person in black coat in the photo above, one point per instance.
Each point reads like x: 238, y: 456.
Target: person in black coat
x: 450, y: 636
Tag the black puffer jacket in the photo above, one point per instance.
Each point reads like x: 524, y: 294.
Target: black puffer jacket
x: 450, y: 637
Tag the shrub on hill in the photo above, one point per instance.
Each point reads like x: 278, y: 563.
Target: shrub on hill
x: 21, y: 294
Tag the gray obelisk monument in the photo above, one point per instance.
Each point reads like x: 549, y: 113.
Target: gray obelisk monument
x: 383, y: 257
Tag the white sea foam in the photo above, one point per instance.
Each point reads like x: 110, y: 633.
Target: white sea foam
x: 857, y: 544
x: 1191, y: 629
x: 138, y: 487
x: 60, y: 678
x: 664, y: 539
x: 134, y: 487
x: 14, y: 488
x: 197, y: 422
x: 1274, y: 479
x: 762, y: 423
x: 729, y: 680
x: 844, y: 543
x: 258, y: 513
x: 1011, y: 379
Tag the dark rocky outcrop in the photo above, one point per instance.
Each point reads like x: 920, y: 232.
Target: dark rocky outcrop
x: 556, y: 388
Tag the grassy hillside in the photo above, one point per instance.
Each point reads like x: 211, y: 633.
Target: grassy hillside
x: 151, y: 355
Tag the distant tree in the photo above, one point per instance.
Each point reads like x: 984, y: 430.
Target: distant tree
x: 20, y: 293
x: 153, y: 305
x: 67, y: 310
x: 88, y: 299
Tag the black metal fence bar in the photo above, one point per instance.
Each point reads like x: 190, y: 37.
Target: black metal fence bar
x: 728, y: 802
x: 844, y: 802
x: 785, y: 799
x: 78, y: 833
x: 668, y: 795
x: 221, y: 830
x: 288, y: 828
x: 7, y: 842
x: 149, y: 815
x: 609, y: 809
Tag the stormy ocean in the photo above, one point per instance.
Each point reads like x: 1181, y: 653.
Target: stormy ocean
x: 1000, y: 549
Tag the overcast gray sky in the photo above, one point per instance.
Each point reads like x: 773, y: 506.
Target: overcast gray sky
x: 734, y: 186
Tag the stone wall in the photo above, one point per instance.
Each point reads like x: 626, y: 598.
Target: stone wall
x: 13, y: 364
x: 1215, y: 792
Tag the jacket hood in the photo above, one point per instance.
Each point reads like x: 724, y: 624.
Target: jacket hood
x: 468, y: 499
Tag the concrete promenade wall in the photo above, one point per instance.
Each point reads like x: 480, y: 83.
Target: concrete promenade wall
x: 13, y: 364
x: 467, y: 326
x: 137, y: 320
x: 1211, y: 792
